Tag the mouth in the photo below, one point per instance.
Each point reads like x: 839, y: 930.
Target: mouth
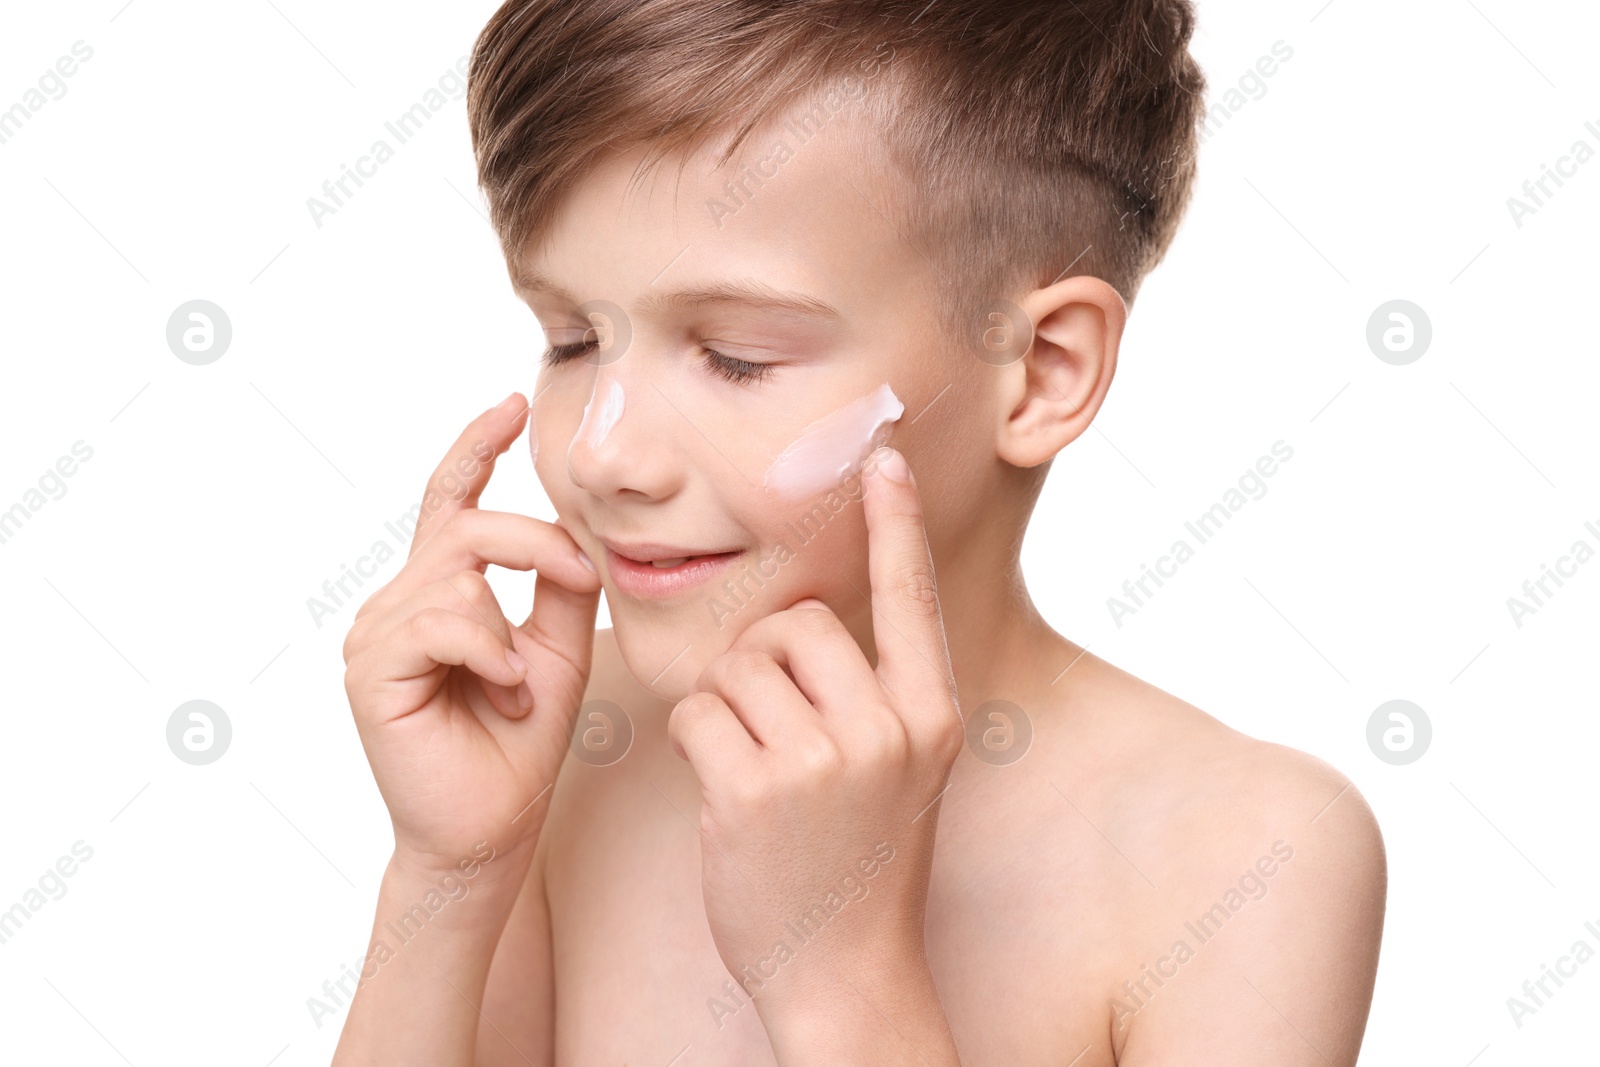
x: 655, y: 571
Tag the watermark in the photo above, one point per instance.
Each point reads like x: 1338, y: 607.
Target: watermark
x: 51, y: 886
x: 1252, y: 885
x: 1537, y: 191
x: 52, y: 86
x: 999, y: 732
x: 1399, y: 332
x: 199, y: 332
x: 1001, y: 331
x: 1136, y: 592
x: 742, y: 189
x: 403, y: 928
x: 610, y: 336
x: 603, y: 733
x: 1536, y: 591
x: 51, y: 486
x: 1531, y: 1001
x: 336, y: 192
x: 801, y: 931
x: 199, y: 732
x: 1399, y: 732
x: 1251, y: 85
x: 336, y: 592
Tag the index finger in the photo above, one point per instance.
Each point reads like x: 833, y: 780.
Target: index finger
x: 459, y: 480
x: 907, y: 627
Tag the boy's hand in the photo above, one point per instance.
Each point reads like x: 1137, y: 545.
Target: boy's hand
x: 463, y: 735
x: 819, y: 789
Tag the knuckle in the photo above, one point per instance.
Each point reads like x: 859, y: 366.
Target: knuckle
x: 358, y: 684
x: 889, y: 745
x: 352, y: 684
x: 351, y: 642
x: 427, y: 626
x: 477, y: 592
x: 947, y: 740
x: 819, y: 759
x: 916, y: 587
x: 376, y: 602
x: 457, y: 527
x: 688, y: 716
x: 479, y: 605
x: 692, y: 710
x: 743, y: 667
x: 815, y: 623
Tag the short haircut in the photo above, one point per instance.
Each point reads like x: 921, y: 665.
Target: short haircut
x: 1028, y: 139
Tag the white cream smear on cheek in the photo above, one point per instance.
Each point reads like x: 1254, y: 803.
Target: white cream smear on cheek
x: 835, y: 446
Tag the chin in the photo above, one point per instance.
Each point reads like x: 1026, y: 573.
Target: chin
x: 653, y: 649
x: 667, y: 644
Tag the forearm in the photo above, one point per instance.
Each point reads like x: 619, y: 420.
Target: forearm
x: 888, y: 1015
x: 425, y: 970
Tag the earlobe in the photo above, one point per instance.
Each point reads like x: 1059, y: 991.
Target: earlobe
x: 1054, y: 392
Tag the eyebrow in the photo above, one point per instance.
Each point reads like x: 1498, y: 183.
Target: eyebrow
x: 746, y: 291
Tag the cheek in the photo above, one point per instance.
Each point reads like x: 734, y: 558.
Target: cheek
x: 832, y: 449
x: 554, y: 422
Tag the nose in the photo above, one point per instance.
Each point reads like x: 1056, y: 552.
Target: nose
x: 618, y: 448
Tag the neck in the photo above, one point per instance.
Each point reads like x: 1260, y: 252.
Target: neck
x: 1001, y: 648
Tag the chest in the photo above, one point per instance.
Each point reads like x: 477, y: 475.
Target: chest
x: 638, y: 978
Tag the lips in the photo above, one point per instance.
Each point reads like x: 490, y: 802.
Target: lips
x: 656, y: 570
x: 657, y: 552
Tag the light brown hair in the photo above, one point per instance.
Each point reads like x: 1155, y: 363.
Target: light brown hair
x: 1026, y: 137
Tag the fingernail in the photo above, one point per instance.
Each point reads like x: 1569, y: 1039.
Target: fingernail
x: 583, y: 558
x: 508, y: 405
x: 517, y: 662
x: 891, y: 464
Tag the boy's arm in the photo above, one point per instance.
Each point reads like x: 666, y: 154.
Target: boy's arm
x: 417, y: 999
x: 1289, y: 979
x: 517, y: 1027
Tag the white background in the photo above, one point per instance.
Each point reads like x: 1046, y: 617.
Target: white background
x: 1376, y: 166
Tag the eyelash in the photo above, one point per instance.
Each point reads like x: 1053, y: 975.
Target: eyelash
x: 738, y: 371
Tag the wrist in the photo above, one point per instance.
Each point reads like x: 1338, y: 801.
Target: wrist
x: 477, y: 889
x: 435, y: 928
x: 884, y: 1010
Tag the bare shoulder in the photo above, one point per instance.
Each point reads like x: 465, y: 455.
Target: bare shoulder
x: 1193, y: 787
x: 1264, y: 878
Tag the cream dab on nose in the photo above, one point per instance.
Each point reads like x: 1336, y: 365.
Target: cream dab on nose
x: 599, y: 420
x: 834, y: 447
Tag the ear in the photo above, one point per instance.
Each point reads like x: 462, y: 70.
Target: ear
x: 1050, y: 395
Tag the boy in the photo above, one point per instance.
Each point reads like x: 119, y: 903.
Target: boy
x: 708, y: 835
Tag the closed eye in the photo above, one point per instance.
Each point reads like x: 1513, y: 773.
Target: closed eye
x: 726, y: 367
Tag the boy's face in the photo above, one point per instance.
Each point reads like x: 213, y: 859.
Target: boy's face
x: 647, y: 438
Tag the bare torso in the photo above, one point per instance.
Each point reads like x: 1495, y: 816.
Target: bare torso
x: 1056, y: 879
